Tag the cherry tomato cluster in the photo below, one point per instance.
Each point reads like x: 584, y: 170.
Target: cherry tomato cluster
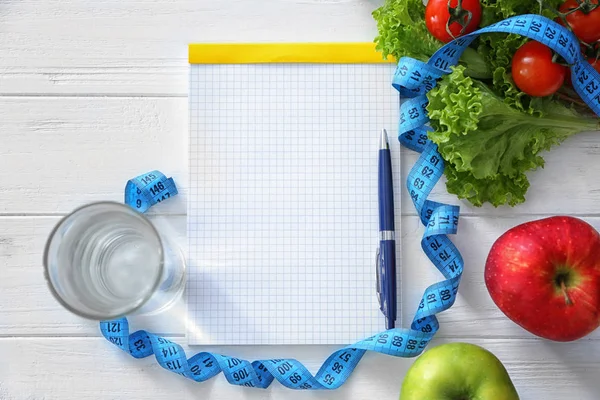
x: 535, y: 68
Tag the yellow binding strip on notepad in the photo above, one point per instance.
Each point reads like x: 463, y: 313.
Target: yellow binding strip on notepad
x: 257, y: 53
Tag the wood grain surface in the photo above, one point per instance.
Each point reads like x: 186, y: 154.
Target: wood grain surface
x: 94, y: 92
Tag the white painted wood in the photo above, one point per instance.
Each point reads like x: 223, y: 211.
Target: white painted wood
x: 474, y: 314
x: 53, y: 148
x: 160, y: 78
x: 60, y: 153
x: 92, y: 368
x: 94, y: 92
x: 111, y: 46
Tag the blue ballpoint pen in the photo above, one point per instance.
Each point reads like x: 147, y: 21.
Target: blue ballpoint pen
x: 386, y: 255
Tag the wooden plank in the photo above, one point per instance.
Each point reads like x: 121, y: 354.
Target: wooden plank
x: 156, y: 78
x: 23, y: 291
x: 92, y: 368
x: 59, y: 153
x: 74, y: 47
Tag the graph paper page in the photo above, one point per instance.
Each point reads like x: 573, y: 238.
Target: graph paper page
x: 283, y: 212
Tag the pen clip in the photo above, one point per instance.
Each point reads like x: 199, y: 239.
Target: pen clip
x: 377, y: 274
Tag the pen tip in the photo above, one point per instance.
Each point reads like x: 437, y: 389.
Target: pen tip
x: 383, y: 141
x: 389, y: 323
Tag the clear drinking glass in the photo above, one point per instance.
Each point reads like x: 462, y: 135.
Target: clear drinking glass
x: 106, y: 260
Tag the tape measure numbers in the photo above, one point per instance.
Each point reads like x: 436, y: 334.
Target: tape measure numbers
x: 144, y: 191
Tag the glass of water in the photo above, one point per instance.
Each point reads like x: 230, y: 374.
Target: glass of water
x: 105, y: 260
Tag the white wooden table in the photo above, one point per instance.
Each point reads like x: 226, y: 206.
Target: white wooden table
x: 93, y: 92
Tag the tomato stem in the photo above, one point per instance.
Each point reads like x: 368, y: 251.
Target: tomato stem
x: 459, y: 15
x: 586, y: 6
x: 557, y: 59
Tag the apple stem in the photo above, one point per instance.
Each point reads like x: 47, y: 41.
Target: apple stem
x: 564, y: 290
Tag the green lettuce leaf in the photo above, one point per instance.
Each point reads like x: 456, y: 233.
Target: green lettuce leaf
x: 403, y: 33
x: 497, y: 191
x: 497, y: 10
x: 489, y: 145
x: 402, y: 30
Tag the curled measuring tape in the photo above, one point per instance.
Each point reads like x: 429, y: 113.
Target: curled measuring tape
x: 144, y: 191
x: 439, y: 220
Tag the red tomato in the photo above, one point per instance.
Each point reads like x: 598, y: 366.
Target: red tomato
x: 585, y: 26
x: 534, y: 72
x: 437, y: 17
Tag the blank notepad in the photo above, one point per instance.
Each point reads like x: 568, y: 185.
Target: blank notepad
x: 282, y: 216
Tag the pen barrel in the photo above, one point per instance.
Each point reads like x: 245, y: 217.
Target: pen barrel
x: 388, y: 282
x: 386, y: 192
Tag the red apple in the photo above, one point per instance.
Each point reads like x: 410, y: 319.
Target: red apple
x: 545, y: 276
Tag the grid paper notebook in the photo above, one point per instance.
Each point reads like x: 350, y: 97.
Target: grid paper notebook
x: 283, y: 211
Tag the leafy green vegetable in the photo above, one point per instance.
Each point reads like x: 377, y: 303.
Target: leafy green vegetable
x: 403, y: 33
x: 490, y: 134
x: 489, y: 145
x: 402, y: 30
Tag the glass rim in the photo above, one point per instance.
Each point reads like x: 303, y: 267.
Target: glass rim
x: 132, y: 212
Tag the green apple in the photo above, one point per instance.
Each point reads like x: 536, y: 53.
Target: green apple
x: 457, y: 371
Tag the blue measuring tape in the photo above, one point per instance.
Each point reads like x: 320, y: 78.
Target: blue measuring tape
x: 144, y: 191
x: 413, y: 79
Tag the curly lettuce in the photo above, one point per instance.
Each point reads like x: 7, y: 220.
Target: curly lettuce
x: 402, y: 30
x: 488, y: 145
x: 403, y: 33
x: 497, y: 10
